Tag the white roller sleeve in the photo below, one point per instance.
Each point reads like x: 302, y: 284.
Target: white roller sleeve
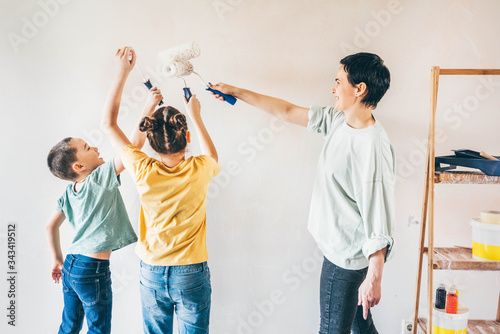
x: 490, y: 217
x: 176, y: 68
x: 182, y: 52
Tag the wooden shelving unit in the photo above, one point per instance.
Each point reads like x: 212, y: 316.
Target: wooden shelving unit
x: 450, y: 258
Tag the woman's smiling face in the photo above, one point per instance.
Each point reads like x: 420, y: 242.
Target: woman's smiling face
x: 345, y: 93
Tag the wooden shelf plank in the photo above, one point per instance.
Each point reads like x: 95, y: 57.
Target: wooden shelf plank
x: 468, y: 71
x: 460, y: 258
x: 473, y: 327
x: 462, y: 177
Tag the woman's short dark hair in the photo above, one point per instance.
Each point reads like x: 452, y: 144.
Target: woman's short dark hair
x: 370, y: 69
x: 60, y: 160
x: 166, y: 130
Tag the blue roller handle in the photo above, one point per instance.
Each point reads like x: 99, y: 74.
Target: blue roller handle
x: 149, y: 85
x: 228, y: 98
x: 187, y: 93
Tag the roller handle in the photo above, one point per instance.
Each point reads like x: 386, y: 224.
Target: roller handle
x: 187, y: 93
x: 488, y: 156
x: 228, y: 98
x: 149, y: 85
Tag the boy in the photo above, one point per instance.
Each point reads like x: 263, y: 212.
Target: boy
x: 94, y: 207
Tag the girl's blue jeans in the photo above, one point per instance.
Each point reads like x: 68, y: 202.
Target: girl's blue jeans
x: 339, y: 308
x: 184, y: 290
x: 87, y: 292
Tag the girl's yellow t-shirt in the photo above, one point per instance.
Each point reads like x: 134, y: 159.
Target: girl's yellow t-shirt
x: 172, y: 225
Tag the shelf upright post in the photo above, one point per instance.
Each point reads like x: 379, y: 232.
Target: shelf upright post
x: 430, y: 180
x: 429, y: 175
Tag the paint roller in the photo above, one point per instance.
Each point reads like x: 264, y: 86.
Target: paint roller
x: 147, y: 82
x: 174, y: 62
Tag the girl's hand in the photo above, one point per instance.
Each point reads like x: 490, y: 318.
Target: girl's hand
x: 56, y: 271
x: 154, y: 97
x: 193, y: 107
x: 125, y: 59
x: 223, y: 88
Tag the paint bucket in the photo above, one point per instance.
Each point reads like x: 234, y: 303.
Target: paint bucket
x: 446, y: 323
x: 485, y: 241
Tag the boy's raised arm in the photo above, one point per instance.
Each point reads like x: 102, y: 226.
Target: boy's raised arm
x: 125, y: 59
x: 52, y: 231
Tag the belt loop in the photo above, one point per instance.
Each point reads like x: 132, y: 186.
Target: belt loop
x: 98, y: 267
x: 71, y: 260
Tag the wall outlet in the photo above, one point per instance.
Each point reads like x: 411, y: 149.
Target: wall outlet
x: 406, y: 327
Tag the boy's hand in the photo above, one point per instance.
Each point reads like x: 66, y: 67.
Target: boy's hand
x: 223, y: 88
x: 125, y: 59
x: 154, y: 97
x: 56, y: 271
x: 193, y: 107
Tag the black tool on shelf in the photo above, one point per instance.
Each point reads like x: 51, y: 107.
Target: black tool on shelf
x: 468, y: 158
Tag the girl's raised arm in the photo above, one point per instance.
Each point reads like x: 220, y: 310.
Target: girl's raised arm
x: 154, y: 97
x: 193, y: 108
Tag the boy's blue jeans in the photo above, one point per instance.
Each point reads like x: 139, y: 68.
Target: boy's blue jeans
x: 185, y: 290
x: 87, y: 292
x: 340, y: 312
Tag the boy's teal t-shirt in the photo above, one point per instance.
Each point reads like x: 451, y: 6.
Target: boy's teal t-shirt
x: 97, y: 213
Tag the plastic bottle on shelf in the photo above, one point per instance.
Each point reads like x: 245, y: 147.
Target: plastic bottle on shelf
x: 452, y: 301
x: 441, y: 297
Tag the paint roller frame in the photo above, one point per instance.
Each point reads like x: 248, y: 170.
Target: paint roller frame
x: 146, y: 82
x: 178, y: 57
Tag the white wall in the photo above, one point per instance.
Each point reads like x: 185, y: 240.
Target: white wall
x: 54, y: 81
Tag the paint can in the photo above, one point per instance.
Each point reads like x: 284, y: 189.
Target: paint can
x: 485, y: 241
x: 446, y: 323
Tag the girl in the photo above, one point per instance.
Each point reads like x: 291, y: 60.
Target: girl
x: 172, y: 228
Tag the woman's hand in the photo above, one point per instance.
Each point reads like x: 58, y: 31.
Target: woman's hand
x: 125, y: 59
x: 369, y: 294
x: 224, y: 88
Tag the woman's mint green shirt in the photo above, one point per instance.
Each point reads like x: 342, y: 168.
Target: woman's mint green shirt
x: 97, y: 213
x: 352, y: 208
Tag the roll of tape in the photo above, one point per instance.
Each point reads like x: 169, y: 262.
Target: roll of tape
x: 490, y: 217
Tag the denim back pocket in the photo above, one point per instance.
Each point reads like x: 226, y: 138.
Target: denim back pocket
x: 148, y: 296
x: 87, y: 290
x: 196, y: 299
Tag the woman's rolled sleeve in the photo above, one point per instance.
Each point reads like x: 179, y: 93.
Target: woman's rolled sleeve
x: 376, y: 204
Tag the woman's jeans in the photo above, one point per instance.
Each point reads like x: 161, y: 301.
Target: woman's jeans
x: 340, y: 312
x: 87, y: 292
x: 185, y: 290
